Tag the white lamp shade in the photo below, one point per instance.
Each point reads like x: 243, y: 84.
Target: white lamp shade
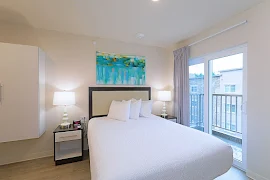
x: 164, y: 95
x: 64, y: 98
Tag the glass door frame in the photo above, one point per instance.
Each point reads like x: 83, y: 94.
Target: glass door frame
x: 207, y: 111
x: 197, y: 61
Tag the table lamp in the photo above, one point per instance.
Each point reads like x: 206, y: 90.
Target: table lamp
x: 164, y: 96
x: 64, y: 99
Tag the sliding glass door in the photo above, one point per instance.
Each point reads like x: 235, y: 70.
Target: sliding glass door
x: 196, y: 84
x: 218, y: 98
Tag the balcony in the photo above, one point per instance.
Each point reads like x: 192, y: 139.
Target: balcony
x: 225, y: 118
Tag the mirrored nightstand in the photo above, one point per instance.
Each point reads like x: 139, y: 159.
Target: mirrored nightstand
x: 68, y: 145
x: 170, y: 118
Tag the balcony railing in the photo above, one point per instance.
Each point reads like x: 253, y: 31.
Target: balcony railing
x: 197, y: 111
x: 225, y: 111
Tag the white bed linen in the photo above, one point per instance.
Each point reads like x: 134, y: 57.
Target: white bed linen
x: 154, y: 149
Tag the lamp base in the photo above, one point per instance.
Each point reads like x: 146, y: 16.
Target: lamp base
x: 65, y: 125
x: 164, y: 114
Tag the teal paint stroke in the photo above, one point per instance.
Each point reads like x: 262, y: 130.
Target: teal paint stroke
x: 116, y: 69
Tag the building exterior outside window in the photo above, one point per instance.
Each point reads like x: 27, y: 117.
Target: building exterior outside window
x: 229, y: 88
x: 226, y: 85
x: 194, y: 89
x: 230, y: 108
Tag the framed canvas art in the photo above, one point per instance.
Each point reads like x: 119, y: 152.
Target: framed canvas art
x: 116, y: 69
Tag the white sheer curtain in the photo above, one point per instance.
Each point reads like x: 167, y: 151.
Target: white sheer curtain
x: 181, y: 85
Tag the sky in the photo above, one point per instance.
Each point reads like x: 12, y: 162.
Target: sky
x: 226, y: 63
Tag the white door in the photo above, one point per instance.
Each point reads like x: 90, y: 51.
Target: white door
x: 222, y: 75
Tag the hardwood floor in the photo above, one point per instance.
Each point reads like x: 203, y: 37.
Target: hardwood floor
x: 44, y: 169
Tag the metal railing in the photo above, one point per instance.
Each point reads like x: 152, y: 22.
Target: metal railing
x: 225, y: 112
x: 197, y: 111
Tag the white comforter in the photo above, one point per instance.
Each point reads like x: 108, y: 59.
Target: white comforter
x: 154, y: 149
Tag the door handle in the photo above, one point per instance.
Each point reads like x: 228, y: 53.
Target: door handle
x: 244, y: 107
x: 1, y: 93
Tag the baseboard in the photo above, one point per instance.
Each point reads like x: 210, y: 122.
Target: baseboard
x: 255, y: 176
x: 240, y: 168
x: 29, y: 157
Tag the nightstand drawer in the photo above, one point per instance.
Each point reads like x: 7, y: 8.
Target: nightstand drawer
x: 173, y: 120
x: 68, y: 136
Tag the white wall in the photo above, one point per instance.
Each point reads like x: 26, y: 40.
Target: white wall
x: 257, y: 35
x: 71, y: 66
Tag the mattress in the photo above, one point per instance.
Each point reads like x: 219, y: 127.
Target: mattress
x: 154, y: 149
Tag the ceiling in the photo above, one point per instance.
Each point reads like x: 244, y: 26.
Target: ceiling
x: 164, y: 23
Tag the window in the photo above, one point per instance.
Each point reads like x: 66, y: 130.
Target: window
x: 194, y: 88
x: 230, y: 107
x: 229, y: 88
x: 232, y: 88
x: 233, y: 108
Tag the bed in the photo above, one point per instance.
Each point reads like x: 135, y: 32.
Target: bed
x: 150, y: 148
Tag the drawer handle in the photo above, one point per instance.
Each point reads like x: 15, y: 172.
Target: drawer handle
x: 68, y: 136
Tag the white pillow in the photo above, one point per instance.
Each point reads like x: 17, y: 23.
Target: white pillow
x: 119, y: 110
x: 135, y: 108
x: 146, y: 108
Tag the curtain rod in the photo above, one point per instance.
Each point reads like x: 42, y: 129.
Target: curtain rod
x: 220, y: 32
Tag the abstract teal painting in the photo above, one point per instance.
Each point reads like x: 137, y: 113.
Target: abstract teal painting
x: 119, y: 69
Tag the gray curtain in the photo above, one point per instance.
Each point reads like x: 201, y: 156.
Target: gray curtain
x: 181, y: 85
